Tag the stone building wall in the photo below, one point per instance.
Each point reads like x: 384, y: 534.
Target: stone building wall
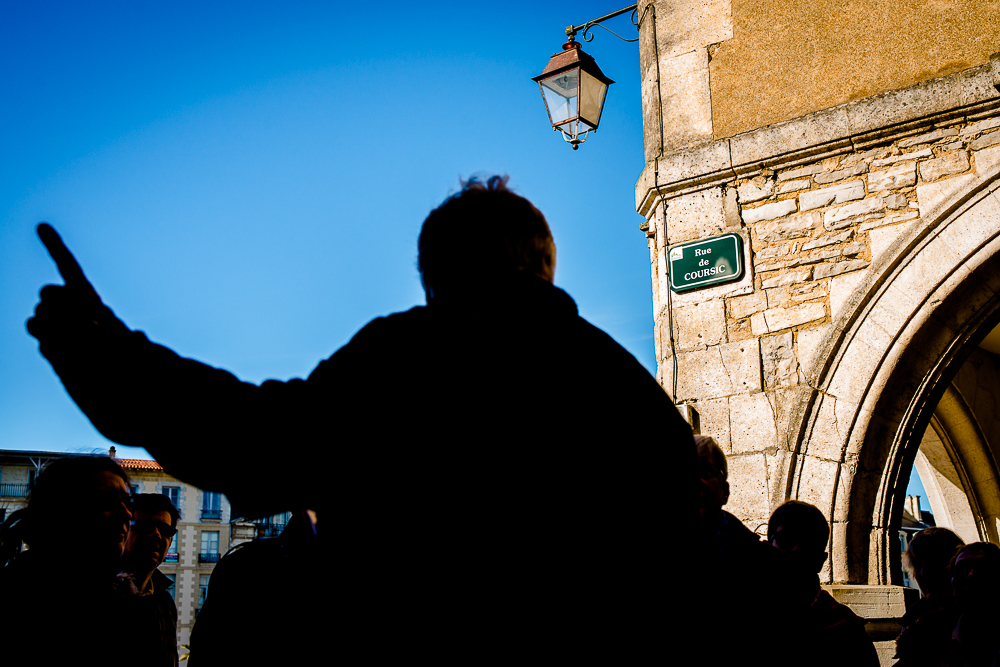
x: 811, y: 231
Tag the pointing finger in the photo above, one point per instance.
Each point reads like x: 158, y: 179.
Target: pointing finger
x: 67, y: 265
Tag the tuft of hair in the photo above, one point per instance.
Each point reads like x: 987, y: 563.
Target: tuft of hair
x: 806, y: 522
x: 483, y: 233
x: 708, y: 448
x: 152, y: 503
x: 931, y: 546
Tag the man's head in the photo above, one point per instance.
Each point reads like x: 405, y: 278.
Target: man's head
x: 927, y: 557
x: 713, y: 472
x: 975, y: 575
x: 483, y: 233
x: 154, y: 523
x: 79, y: 505
x: 800, y: 530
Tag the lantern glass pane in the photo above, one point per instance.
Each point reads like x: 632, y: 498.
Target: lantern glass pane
x: 575, y: 128
x: 561, y: 93
x: 592, y: 93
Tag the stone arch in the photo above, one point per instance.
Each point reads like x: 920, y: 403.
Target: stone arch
x: 884, y: 368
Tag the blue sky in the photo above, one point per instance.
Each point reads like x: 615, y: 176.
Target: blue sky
x: 245, y: 182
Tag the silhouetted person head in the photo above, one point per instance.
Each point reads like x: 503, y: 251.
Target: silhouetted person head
x: 481, y: 235
x: 975, y: 575
x: 800, y: 530
x: 77, y: 511
x: 154, y: 524
x: 713, y: 472
x: 927, y: 557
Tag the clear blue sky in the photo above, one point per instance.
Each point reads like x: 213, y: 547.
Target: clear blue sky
x: 245, y: 181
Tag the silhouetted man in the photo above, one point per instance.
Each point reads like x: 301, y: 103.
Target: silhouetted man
x: 752, y: 589
x: 800, y: 530
x: 496, y: 473
x: 151, y: 614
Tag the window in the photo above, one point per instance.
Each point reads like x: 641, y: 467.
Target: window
x: 174, y: 493
x: 209, y: 546
x: 171, y: 587
x: 134, y: 488
x: 3, y: 514
x: 32, y: 474
x: 211, y: 507
x: 202, y: 589
x: 171, y: 556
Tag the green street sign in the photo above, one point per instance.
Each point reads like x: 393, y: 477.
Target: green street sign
x: 706, y: 262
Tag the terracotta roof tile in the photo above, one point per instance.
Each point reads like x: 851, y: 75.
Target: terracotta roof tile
x: 139, y: 464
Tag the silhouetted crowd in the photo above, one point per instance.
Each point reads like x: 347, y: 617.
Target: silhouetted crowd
x: 485, y: 479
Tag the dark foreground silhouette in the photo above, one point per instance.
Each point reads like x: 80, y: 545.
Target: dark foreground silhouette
x: 493, y: 475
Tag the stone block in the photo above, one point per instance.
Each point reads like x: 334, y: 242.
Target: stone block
x: 776, y: 319
x: 883, y: 237
x: 807, y: 341
x: 946, y: 165
x: 744, y: 306
x: 778, y: 362
x: 820, y: 256
x: 834, y: 194
x: 984, y: 141
x: 929, y: 195
x: 953, y: 146
x: 700, y: 375
x: 892, y: 219
x: 828, y: 240
x: 854, y: 248
x: 687, y: 104
x: 741, y: 360
x: 899, y: 176
x: 807, y: 292
x: 679, y: 166
x: 772, y: 252
x: 895, y: 201
x: 801, y: 171
x: 794, y: 186
x: 715, y: 421
x: 840, y: 174
x: 778, y: 209
x: 787, y: 278
x: 892, y: 159
x: 696, y: 215
x: 699, y: 325
x: 835, y: 216
x: 873, y: 154
x: 748, y: 495
x: 828, y: 270
x: 796, y: 226
x: 928, y: 138
x: 981, y: 126
x: 816, y: 128
x: 739, y: 330
x: 755, y: 190
x: 751, y: 423
x: 841, y: 288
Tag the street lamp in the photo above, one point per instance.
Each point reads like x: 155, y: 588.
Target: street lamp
x: 574, y: 87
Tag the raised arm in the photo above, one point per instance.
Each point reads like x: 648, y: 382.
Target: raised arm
x: 202, y: 424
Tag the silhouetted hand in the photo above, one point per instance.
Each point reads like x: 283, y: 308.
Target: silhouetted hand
x: 70, y: 311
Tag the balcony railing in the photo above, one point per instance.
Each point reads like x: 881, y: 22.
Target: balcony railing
x: 208, y: 558
x: 14, y: 490
x: 211, y: 515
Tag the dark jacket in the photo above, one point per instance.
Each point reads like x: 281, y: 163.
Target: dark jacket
x: 265, y: 617
x: 925, y: 639
x: 150, y: 624
x: 751, y: 594
x: 489, y: 470
x: 52, y: 615
x: 841, y: 632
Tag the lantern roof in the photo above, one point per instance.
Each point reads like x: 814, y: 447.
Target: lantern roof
x: 572, y: 56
